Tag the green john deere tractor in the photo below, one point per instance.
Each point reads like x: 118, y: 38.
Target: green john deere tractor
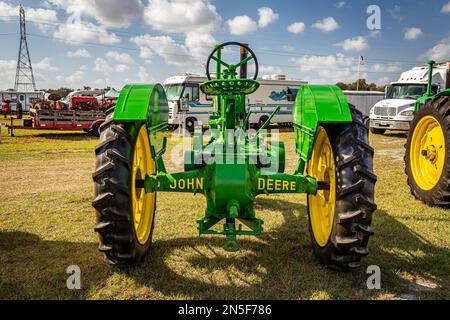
x: 335, y: 167
x: 427, y: 155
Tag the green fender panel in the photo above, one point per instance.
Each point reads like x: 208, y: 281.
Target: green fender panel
x: 145, y: 103
x: 316, y: 104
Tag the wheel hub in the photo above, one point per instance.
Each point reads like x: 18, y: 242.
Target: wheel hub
x: 427, y: 152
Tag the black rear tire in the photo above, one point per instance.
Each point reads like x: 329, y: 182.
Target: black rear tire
x: 355, y: 189
x: 439, y: 108
x: 113, y: 201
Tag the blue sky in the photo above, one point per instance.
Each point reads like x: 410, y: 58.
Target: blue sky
x: 113, y: 42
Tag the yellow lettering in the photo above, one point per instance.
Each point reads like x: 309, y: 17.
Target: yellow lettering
x: 173, y: 185
x: 278, y: 185
x: 190, y: 184
x: 285, y: 185
x: 293, y: 186
x: 269, y: 184
x: 261, y: 184
x: 200, y: 183
x: 181, y: 184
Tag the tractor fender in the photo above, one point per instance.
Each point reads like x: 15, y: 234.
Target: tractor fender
x: 145, y: 104
x: 315, y: 105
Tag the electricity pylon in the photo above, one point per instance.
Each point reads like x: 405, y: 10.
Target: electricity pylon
x: 24, y: 74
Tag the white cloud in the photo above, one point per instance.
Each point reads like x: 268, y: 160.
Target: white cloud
x: 74, y: 80
x: 241, y: 25
x: 164, y: 46
x: 340, y: 4
x: 296, y: 27
x: 327, y: 69
x: 375, y: 33
x: 181, y: 16
x: 146, y: 54
x: 123, y: 58
x: 200, y: 44
x: 395, y: 13
x: 390, y: 68
x: 109, y: 13
x: 440, y: 52
x: 40, y: 17
x: 340, y: 68
x: 8, y: 71
x: 446, y: 8
x: 77, y: 32
x: 266, y: 17
x: 101, y: 65
x: 44, y: 65
x: 268, y: 70
x: 143, y: 74
x: 120, y: 68
x: 354, y: 44
x: 413, y: 33
x: 326, y: 25
x: 80, y: 53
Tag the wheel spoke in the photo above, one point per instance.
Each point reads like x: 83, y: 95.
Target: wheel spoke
x: 220, y: 61
x: 243, y: 62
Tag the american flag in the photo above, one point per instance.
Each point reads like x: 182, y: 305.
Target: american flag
x: 361, y: 60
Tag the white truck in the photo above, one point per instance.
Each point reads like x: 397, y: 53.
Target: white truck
x: 396, y: 111
x: 189, y: 106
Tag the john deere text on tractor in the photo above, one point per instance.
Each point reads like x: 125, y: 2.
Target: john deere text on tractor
x: 236, y: 165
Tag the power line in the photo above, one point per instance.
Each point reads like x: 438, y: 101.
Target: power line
x: 180, y: 41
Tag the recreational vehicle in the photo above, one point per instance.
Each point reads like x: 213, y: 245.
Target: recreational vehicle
x: 188, y: 106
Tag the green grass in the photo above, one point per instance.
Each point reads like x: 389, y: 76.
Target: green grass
x: 46, y: 225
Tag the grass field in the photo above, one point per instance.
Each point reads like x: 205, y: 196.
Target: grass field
x: 46, y: 225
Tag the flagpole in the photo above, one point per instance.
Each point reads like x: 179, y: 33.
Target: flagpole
x: 357, y: 80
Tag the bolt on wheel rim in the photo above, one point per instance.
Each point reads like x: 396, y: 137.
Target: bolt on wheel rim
x: 143, y: 204
x: 427, y: 153
x: 322, y: 206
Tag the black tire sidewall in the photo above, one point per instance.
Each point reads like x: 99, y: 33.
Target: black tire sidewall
x: 430, y: 197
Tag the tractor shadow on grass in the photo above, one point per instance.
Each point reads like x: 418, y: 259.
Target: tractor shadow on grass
x: 279, y: 265
x: 32, y: 268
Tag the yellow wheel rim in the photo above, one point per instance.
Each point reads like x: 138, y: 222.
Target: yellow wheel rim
x: 143, y: 204
x: 322, y: 206
x: 427, y: 153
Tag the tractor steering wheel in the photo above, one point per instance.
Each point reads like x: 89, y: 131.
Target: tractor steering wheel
x: 230, y: 71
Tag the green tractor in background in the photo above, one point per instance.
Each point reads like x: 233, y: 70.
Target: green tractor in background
x: 427, y: 155
x: 335, y: 167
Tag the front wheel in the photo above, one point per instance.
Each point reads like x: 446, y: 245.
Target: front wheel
x: 427, y: 156
x: 340, y: 215
x: 125, y: 212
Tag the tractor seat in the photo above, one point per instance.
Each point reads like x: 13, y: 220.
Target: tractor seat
x: 229, y: 87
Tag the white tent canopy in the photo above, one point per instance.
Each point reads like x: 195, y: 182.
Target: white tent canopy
x: 112, y: 93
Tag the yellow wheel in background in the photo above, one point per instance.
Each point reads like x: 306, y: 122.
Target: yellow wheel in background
x: 427, y: 155
x: 322, y: 206
x: 143, y: 203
